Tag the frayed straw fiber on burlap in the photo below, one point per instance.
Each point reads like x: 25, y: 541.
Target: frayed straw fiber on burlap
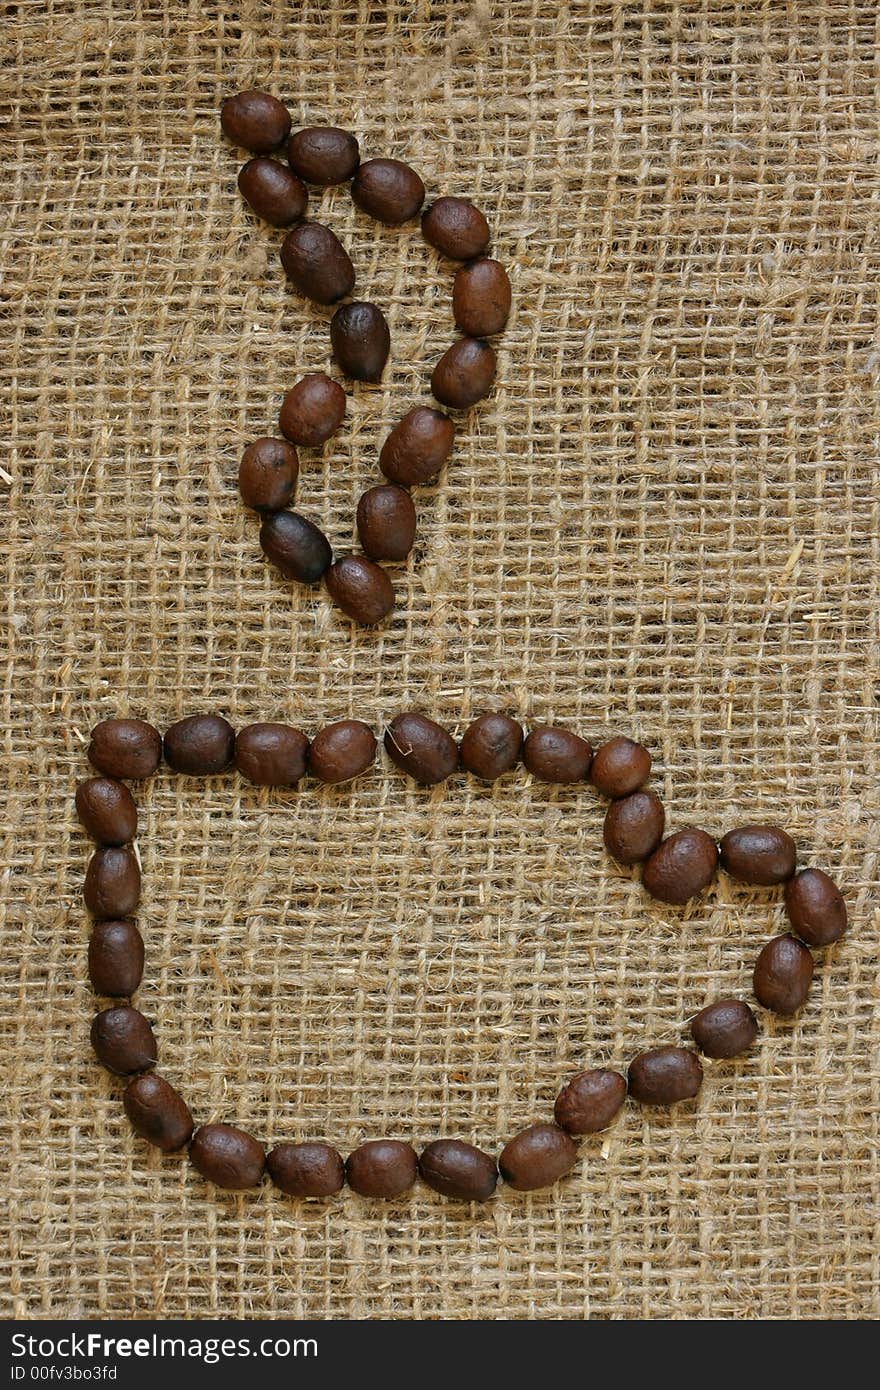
x: 664, y: 522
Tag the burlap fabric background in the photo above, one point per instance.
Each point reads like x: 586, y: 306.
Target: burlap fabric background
x: 664, y: 522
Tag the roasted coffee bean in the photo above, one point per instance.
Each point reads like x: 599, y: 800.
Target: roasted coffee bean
x: 491, y: 746
x: 456, y: 228
x: 271, y: 755
x: 361, y: 340
x: 456, y: 1169
x: 361, y: 589
x: 783, y: 973
x: 296, y: 547
x: 274, y: 193
x: 537, y: 1157
x: 312, y: 410
x: 665, y: 1075
x: 107, y: 810
x: 306, y: 1170
x: 157, y: 1112
x: 315, y: 260
x: 761, y: 854
x: 725, y: 1028
x: 255, y: 120
x: 815, y: 907
x: 481, y: 298
x: 386, y: 522
x: 417, y: 447
x: 682, y: 866
x: 634, y: 827
x: 267, y: 474
x: 555, y: 755
x: 464, y: 374
x: 620, y: 767
x: 341, y: 751
x: 323, y: 154
x: 116, y: 958
x: 382, y: 1168
x: 123, y: 1040
x: 388, y: 190
x: 421, y: 748
x: 125, y: 748
x: 228, y: 1156
x: 590, y: 1101
x: 200, y: 746
x: 113, y: 883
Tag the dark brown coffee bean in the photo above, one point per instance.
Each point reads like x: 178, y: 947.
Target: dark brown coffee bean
x: 361, y: 589
x: 590, y: 1101
x: 783, y: 973
x: 682, y: 866
x: 306, y: 1170
x: 123, y: 1040
x: 421, y: 748
x: 555, y: 755
x: 116, y: 958
x: 125, y: 748
x: 255, y: 120
x: 107, y: 810
x: 341, y: 751
x: 634, y: 827
x: 761, y: 854
x: 481, y: 298
x: 456, y: 1169
x: 620, y: 767
x: 323, y: 154
x: 113, y: 883
x: 361, y: 340
x: 267, y: 474
x: 537, y: 1157
x: 456, y: 228
x: 274, y: 193
x: 815, y: 907
x: 296, y: 547
x: 157, y: 1112
x: 417, y: 447
x: 386, y: 522
x: 200, y: 746
x: 725, y: 1028
x: 464, y: 374
x: 491, y: 746
x: 318, y: 264
x: 312, y: 410
x: 388, y: 190
x: 382, y: 1168
x: 665, y: 1075
x: 228, y: 1156
x: 271, y: 755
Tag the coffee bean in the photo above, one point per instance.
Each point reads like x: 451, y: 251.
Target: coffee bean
x: 481, y: 298
x: 157, y: 1112
x: 386, y: 522
x: 417, y: 447
x: 341, y: 751
x: 388, y: 190
x: 267, y: 474
x: 107, y: 810
x: 421, y: 748
x: 271, y: 755
x: 456, y: 1169
x: 555, y: 755
x: 200, y: 746
x: 537, y: 1157
x: 456, y: 228
x: 665, y: 1075
x: 306, y: 1170
x: 725, y: 1028
x: 491, y: 746
x: 361, y: 589
x: 360, y: 340
x: 783, y: 973
x: 590, y: 1101
x: 634, y: 827
x: 116, y: 958
x: 274, y: 193
x: 620, y: 767
x: 323, y: 154
x: 815, y: 907
x: 113, y: 883
x: 255, y: 120
x: 761, y: 854
x: 312, y: 410
x: 228, y: 1156
x: 315, y: 260
x: 125, y: 748
x: 123, y: 1040
x: 682, y: 866
x: 464, y: 374
x: 296, y: 547
x: 382, y: 1168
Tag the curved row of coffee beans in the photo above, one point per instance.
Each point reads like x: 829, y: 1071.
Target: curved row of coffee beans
x: 675, y: 869
x: 313, y: 410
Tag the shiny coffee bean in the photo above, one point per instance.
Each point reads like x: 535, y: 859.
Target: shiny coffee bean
x: 274, y: 193
x: 361, y: 340
x: 491, y: 746
x: 417, y: 447
x: 306, y: 1170
x: 113, y: 883
x: 421, y: 748
x: 123, y: 1040
x: 555, y: 755
x: 296, y: 547
x: 341, y: 751
x: 682, y: 866
x: 200, y: 746
x: 382, y: 1168
x: 227, y: 1156
x: 537, y: 1157
x: 361, y: 589
x: 323, y: 154
x: 620, y: 767
x: 456, y: 1169
x: 761, y: 854
x: 456, y: 228
x: 315, y: 260
x: 312, y: 410
x: 634, y: 827
x: 464, y: 374
x: 271, y: 755
x: 388, y: 190
x: 665, y: 1075
x: 267, y: 474
x: 590, y: 1101
x: 125, y: 748
x: 116, y: 958
x: 255, y: 120
x: 783, y: 973
x: 725, y: 1028
x: 386, y: 522
x: 481, y: 298
x: 107, y: 810
x: 815, y: 907
x: 157, y: 1112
